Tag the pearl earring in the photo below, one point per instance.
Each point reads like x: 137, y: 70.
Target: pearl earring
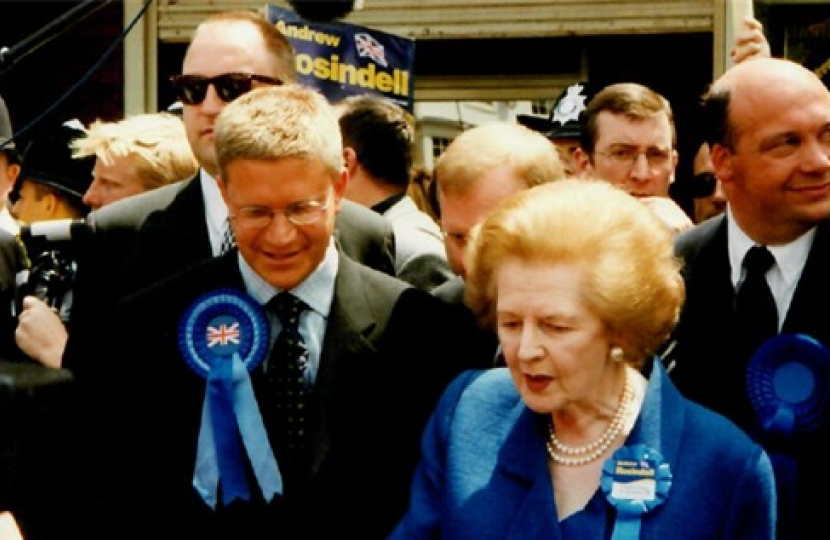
x: 617, y: 354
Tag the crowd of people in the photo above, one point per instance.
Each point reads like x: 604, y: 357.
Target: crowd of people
x: 279, y: 326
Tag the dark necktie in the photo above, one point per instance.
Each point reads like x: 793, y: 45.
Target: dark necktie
x: 228, y: 239
x: 285, y: 379
x: 754, y: 305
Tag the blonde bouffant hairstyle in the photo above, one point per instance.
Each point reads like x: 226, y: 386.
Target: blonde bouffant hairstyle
x: 632, y: 277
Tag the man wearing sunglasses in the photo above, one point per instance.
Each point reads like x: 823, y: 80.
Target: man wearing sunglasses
x: 146, y: 237
x: 708, y: 197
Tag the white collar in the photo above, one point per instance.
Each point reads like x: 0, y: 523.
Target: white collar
x: 789, y: 258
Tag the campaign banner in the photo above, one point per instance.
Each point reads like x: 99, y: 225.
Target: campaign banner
x: 341, y: 59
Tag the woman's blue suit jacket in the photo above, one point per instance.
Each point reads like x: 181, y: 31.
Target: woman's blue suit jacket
x: 484, y: 471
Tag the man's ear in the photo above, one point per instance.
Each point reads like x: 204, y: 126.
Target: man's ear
x: 339, y: 187
x: 584, y: 167
x: 50, y: 203
x: 722, y: 162
x: 13, y: 171
x: 350, y: 159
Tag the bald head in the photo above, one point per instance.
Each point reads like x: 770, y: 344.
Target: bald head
x: 770, y: 128
x: 767, y: 69
x: 750, y: 87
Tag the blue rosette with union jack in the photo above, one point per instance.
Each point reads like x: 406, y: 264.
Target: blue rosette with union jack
x: 223, y: 335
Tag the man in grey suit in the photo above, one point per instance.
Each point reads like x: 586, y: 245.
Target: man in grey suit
x: 378, y: 140
x: 371, y: 375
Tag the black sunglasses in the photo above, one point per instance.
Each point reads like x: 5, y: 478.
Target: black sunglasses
x: 703, y: 185
x: 192, y: 89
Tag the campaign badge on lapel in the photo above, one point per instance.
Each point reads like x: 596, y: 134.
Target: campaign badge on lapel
x: 223, y: 335
x: 635, y: 480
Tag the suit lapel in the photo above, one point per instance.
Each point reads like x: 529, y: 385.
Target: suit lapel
x: 349, y: 322
x: 708, y: 308
x: 662, y: 416
x: 185, y: 225
x: 523, y: 463
x: 811, y: 295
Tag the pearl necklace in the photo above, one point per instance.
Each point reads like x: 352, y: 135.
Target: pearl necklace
x: 580, y: 455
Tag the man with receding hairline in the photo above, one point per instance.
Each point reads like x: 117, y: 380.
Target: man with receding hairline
x: 769, y: 120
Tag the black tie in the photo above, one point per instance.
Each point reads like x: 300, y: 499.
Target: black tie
x: 754, y: 305
x: 285, y: 378
x: 228, y: 239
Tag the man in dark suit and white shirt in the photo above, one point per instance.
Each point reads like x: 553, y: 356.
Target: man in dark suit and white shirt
x: 378, y: 352
x: 769, y: 130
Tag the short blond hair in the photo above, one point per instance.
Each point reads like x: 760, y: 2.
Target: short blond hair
x: 157, y: 142
x: 632, y: 277
x: 478, y: 150
x: 274, y: 122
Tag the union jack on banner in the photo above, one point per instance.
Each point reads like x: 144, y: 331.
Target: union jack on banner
x: 369, y: 46
x: 223, y: 335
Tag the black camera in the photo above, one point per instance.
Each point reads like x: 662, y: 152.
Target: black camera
x: 52, y: 248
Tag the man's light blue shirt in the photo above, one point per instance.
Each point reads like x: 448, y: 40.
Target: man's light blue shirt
x: 316, y: 290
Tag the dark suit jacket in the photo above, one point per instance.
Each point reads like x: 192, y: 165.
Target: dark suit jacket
x: 452, y: 292
x: 388, y: 352
x: 496, y: 484
x: 709, y: 369
x: 33, y: 400
x: 12, y: 261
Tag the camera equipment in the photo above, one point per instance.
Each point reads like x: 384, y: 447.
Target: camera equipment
x: 52, y: 247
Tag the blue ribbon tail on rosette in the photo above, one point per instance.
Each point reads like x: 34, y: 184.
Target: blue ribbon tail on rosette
x: 254, y: 436
x: 206, y: 476
x: 221, y: 402
x: 785, y: 470
x: 781, y: 423
x: 627, y: 525
x: 223, y: 336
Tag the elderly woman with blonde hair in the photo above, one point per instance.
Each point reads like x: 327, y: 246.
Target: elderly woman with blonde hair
x: 582, y: 434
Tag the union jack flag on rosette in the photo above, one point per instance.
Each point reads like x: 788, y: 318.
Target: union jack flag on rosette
x: 224, y: 335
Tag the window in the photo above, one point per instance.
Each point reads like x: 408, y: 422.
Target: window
x: 439, y: 144
x: 542, y: 108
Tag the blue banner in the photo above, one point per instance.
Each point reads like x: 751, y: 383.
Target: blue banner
x: 341, y: 59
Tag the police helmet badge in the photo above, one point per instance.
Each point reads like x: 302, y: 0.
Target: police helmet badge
x: 571, y: 105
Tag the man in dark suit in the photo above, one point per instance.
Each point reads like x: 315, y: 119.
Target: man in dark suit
x: 770, y: 145
x: 372, y: 368
x: 33, y: 399
x: 149, y: 236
